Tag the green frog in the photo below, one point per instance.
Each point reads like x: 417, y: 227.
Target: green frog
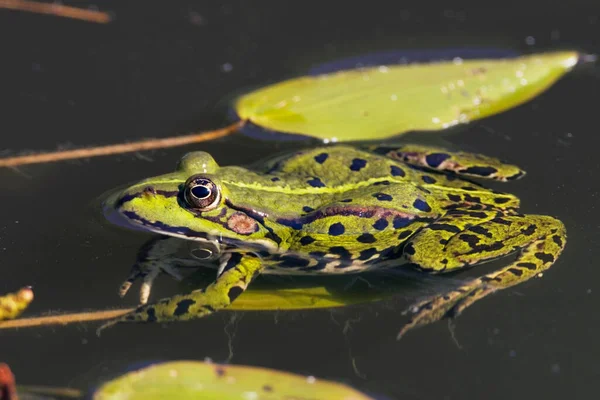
x: 337, y: 210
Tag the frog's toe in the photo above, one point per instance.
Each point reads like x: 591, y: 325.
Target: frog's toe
x: 450, y: 305
x: 148, y: 272
x: 473, y: 296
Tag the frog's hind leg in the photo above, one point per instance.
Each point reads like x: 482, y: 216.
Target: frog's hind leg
x: 237, y: 274
x: 540, y: 240
x: 468, y: 164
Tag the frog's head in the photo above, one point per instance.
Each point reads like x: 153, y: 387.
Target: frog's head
x: 192, y: 203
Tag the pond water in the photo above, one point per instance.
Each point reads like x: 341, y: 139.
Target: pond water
x: 164, y: 69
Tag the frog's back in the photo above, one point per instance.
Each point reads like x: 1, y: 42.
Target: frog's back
x: 335, y: 165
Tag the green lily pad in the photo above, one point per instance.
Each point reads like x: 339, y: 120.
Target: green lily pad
x: 379, y: 102
x: 318, y: 292
x: 200, y: 380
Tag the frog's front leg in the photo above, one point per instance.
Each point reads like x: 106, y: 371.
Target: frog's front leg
x: 168, y: 255
x: 239, y: 270
x: 455, y: 242
x: 468, y: 164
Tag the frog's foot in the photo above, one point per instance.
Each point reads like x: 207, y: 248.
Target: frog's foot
x: 448, y: 305
x: 239, y: 271
x: 149, y: 270
x: 539, y: 238
x: 468, y: 164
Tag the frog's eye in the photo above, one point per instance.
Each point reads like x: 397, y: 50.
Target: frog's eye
x: 201, y: 193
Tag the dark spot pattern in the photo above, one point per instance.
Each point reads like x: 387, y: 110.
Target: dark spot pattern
x: 383, y: 197
x: 472, y: 199
x: 480, y: 171
x: 366, y: 238
x: 477, y: 214
x: 275, y: 179
x: 528, y: 265
x: 481, y: 230
x: 409, y: 249
x: 315, y: 182
x: 545, y: 257
x: 501, y: 200
x: 404, y: 234
x: 397, y: 171
x: 307, y: 209
x: 234, y: 292
x: 380, y: 224
x: 358, y: 164
x: 233, y: 261
x: 320, y: 158
x: 317, y: 254
x: 400, y: 222
x: 530, y: 230
x: 421, y: 205
x: 445, y: 227
x: 306, y: 240
x: 340, y: 251
x: 428, y: 179
x: 293, y: 261
x: 471, y: 240
x: 367, y: 253
x: 556, y: 239
x: 183, y: 307
x: 345, y: 200
x: 336, y: 229
x: 435, y: 159
x: 454, y: 197
x: 515, y: 271
x: 151, y: 314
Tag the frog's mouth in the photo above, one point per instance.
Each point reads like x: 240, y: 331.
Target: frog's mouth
x: 130, y: 219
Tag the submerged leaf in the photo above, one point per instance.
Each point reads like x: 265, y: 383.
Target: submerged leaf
x: 379, y: 102
x: 317, y: 292
x: 200, y: 380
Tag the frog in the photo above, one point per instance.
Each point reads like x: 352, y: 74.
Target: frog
x: 337, y: 209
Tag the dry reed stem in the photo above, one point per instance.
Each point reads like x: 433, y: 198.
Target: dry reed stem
x: 149, y: 144
x: 57, y: 10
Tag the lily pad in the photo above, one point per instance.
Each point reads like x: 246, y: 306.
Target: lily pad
x: 387, y: 100
x: 201, y: 380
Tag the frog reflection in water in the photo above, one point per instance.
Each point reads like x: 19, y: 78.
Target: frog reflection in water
x: 339, y: 210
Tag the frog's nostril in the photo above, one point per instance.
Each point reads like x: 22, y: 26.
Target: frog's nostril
x: 149, y: 191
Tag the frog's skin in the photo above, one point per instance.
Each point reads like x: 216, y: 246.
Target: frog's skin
x: 337, y: 210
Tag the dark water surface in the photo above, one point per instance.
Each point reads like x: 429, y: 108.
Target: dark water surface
x: 168, y: 68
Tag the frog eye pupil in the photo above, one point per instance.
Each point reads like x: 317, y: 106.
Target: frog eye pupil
x: 200, y: 191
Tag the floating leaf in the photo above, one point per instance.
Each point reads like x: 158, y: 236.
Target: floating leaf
x: 410, y: 56
x: 199, y: 380
x: 300, y: 293
x: 379, y: 102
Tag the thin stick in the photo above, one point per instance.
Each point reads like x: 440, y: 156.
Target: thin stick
x: 57, y: 10
x: 64, y: 319
x: 120, y: 148
x: 50, y: 391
